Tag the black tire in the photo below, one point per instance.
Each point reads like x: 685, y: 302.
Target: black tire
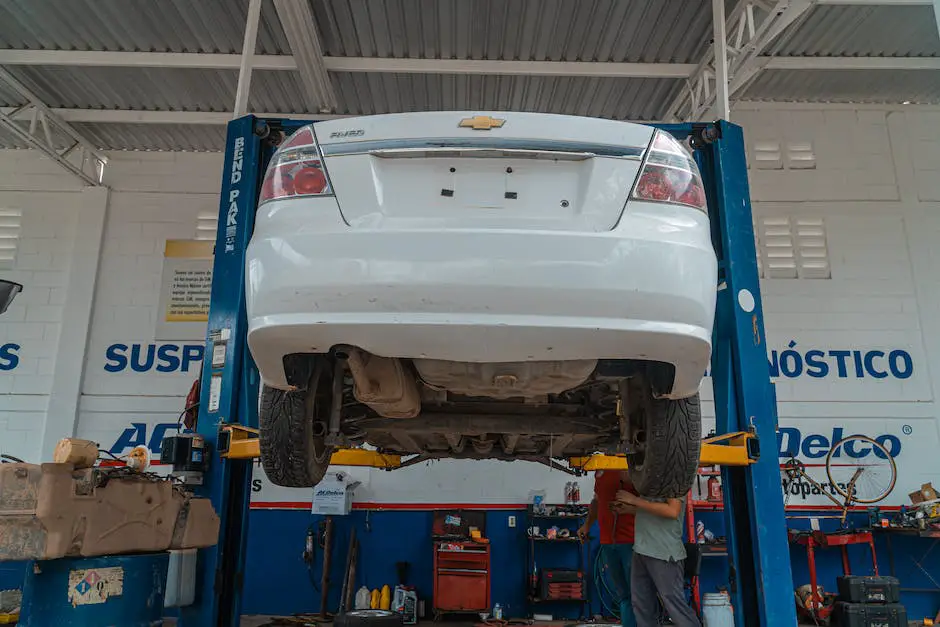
x: 368, y: 618
x: 666, y: 436
x: 293, y: 453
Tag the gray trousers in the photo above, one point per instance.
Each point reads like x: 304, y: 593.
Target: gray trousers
x: 650, y: 577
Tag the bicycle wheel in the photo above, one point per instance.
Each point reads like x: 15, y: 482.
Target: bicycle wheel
x: 865, y: 465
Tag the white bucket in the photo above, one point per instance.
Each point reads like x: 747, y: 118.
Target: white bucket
x: 716, y: 610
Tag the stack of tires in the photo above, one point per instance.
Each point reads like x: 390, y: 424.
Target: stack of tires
x: 866, y: 601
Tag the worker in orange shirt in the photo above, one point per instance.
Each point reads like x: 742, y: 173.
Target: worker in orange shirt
x: 615, y: 522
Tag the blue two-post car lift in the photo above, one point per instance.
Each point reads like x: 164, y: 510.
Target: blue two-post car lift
x: 744, y: 397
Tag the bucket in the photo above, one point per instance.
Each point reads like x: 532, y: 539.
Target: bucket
x: 716, y: 610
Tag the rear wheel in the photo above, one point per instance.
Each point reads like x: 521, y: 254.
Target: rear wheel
x: 293, y: 426
x: 664, y: 441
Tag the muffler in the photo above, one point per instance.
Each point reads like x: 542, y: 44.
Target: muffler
x: 383, y: 383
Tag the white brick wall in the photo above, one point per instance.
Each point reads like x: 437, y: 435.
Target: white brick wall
x: 156, y: 196
x: 874, y: 182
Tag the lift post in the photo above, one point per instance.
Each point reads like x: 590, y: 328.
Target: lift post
x: 744, y: 395
x: 744, y: 398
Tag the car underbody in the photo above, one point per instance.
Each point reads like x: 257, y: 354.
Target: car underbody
x: 390, y: 405
x: 481, y: 429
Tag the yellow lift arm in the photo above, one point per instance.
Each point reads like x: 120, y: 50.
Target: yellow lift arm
x: 238, y: 442
x: 730, y: 449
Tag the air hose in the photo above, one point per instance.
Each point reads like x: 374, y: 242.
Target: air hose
x: 600, y: 583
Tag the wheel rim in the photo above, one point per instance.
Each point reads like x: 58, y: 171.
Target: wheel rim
x: 872, y: 473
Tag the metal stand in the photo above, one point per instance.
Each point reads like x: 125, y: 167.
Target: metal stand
x: 744, y: 397
x: 817, y: 539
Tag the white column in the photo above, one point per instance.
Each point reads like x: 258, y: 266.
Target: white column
x: 722, y: 101
x: 248, y: 57
x: 936, y: 14
x: 69, y: 372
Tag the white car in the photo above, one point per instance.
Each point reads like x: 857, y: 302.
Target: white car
x: 513, y: 286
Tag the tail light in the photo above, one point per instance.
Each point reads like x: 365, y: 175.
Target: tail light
x: 297, y: 169
x: 670, y: 175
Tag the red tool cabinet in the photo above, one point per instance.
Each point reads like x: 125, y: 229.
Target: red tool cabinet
x: 461, y: 577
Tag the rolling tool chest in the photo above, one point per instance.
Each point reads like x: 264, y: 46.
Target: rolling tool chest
x: 461, y: 564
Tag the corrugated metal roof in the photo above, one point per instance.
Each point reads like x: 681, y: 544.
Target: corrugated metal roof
x: 881, y: 86
x: 620, y: 98
x: 538, y: 30
x: 549, y: 30
x: 155, y: 89
x: 164, y: 89
x: 137, y: 25
x: 130, y: 87
x: 882, y: 31
x: 175, y: 137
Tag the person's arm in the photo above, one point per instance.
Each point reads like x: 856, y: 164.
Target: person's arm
x: 672, y: 508
x: 622, y: 508
x: 591, y: 519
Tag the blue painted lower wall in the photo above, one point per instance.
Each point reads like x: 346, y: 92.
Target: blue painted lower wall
x: 277, y: 581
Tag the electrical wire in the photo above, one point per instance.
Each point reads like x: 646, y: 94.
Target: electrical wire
x: 102, y: 451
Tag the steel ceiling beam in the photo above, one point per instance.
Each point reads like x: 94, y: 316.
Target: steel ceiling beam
x: 850, y: 63
x: 175, y: 60
x: 878, y: 3
x: 191, y: 60
x: 519, y: 68
x: 301, y: 30
x: 79, y: 158
x: 125, y: 116
x: 198, y: 60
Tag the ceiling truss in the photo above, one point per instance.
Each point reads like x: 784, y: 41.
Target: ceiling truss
x: 41, y: 128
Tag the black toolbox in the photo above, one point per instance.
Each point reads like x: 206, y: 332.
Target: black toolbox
x: 868, y: 589
x: 866, y: 615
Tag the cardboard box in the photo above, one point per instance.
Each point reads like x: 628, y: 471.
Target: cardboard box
x: 333, y: 496
x: 926, y: 493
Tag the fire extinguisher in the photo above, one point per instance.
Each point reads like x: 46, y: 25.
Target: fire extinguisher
x: 714, y: 489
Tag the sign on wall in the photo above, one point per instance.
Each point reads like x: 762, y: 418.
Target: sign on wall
x: 826, y: 366
x: 185, y: 290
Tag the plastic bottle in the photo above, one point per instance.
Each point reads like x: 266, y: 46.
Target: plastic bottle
x: 385, y: 598
x: 374, y: 600
x: 497, y: 612
x: 363, y: 599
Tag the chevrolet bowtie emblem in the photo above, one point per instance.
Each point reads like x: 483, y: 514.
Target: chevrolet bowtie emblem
x: 481, y: 123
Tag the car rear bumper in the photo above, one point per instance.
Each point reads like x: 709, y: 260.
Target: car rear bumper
x: 644, y: 290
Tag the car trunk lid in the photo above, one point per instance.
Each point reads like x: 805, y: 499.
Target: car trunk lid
x: 466, y: 170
